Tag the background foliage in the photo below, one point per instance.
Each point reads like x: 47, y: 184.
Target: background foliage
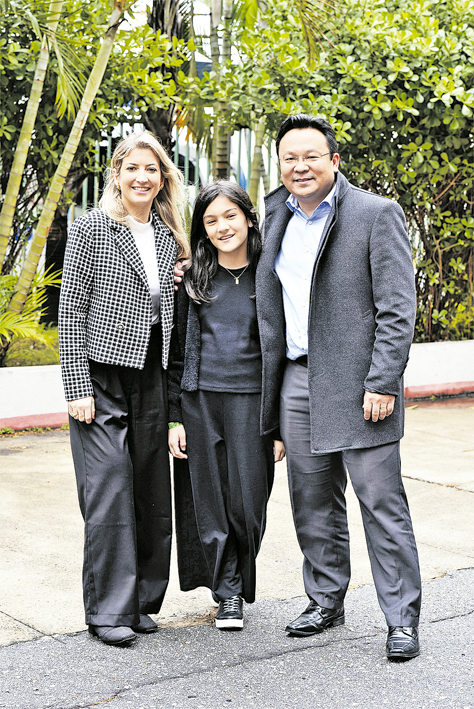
x: 397, y: 85
x: 136, y: 79
x: 395, y: 79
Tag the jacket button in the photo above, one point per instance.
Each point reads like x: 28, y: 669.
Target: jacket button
x: 120, y: 326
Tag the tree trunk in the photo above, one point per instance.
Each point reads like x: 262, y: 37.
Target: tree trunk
x: 222, y: 138
x: 164, y: 17
x: 254, y: 181
x: 160, y: 121
x: 38, y: 241
x: 263, y: 174
x: 24, y: 140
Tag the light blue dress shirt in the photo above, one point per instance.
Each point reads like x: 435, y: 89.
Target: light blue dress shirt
x: 294, y: 266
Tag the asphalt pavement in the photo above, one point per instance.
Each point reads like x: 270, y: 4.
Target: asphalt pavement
x: 48, y: 660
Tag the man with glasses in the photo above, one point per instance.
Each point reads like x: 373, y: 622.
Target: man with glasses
x: 336, y: 295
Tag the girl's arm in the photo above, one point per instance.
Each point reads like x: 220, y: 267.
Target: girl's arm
x: 278, y: 451
x: 177, y: 441
x: 176, y: 355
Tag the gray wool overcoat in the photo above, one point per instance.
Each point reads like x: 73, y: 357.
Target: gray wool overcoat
x: 361, y: 317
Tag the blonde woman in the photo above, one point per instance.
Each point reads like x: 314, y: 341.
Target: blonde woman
x: 116, y: 312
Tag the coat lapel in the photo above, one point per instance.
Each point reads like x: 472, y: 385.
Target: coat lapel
x: 166, y: 249
x: 165, y: 246
x: 127, y: 246
x: 341, y: 188
x: 277, y: 216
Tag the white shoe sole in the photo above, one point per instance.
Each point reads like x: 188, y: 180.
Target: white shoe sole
x: 230, y: 623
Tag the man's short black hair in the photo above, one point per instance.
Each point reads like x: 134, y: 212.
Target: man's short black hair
x: 301, y: 121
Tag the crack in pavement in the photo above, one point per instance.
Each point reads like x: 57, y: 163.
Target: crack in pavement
x: 321, y: 643
x: 452, y: 617
x: 432, y: 482
x: 237, y: 663
x: 446, y: 550
x: 31, y: 627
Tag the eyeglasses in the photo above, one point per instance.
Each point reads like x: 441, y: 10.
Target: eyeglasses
x: 310, y: 159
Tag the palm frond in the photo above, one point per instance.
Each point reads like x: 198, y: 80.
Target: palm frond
x: 27, y: 323
x: 70, y: 68
x: 47, y: 278
x: 20, y: 325
x: 316, y: 19
x: 247, y: 12
x: 71, y: 77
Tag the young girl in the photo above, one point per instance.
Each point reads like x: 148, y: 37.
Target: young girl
x: 215, y: 381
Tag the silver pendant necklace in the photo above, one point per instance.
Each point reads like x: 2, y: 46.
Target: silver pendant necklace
x: 236, y: 278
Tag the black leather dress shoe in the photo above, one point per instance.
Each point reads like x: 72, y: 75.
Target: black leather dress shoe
x: 402, y: 643
x: 119, y: 636
x: 315, y: 619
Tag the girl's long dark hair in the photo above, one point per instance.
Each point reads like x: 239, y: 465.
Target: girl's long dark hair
x: 204, y: 257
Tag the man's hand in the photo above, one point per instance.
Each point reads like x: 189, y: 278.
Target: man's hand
x: 177, y: 441
x: 377, y: 406
x: 82, y: 409
x: 178, y: 272
x: 278, y: 451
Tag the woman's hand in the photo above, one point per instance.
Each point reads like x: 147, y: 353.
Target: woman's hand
x: 278, y: 451
x: 82, y: 409
x: 177, y: 441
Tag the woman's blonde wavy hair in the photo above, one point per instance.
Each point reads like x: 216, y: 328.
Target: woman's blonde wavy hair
x: 170, y: 199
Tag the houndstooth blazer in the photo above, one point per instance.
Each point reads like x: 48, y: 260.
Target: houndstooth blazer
x: 105, y: 307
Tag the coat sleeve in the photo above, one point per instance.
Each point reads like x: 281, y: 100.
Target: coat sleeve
x: 74, y: 302
x: 177, y: 352
x: 394, y: 297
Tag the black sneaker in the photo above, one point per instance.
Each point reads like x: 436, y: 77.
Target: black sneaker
x: 230, y: 615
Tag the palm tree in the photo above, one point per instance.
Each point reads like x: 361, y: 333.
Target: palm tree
x: 21, y: 151
x: 257, y: 160
x: 165, y: 17
x: 313, y: 16
x: 221, y: 135
x: 30, y: 265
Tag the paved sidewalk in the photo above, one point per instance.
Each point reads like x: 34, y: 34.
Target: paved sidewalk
x: 189, y: 662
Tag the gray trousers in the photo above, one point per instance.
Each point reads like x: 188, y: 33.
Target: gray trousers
x: 123, y: 481
x: 317, y: 486
x: 231, y: 469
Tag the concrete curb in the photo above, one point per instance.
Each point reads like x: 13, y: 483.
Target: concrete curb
x: 440, y: 369
x: 426, y: 391
x: 32, y: 397
x: 20, y: 423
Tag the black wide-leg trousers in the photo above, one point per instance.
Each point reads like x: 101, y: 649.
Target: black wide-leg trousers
x: 231, y: 468
x: 317, y: 486
x: 123, y: 479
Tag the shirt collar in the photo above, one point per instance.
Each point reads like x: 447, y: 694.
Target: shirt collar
x: 292, y: 202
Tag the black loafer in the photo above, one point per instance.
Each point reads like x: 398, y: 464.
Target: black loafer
x: 120, y: 636
x: 402, y: 642
x: 146, y: 625
x: 315, y: 619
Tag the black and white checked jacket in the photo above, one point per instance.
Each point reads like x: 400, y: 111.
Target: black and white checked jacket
x: 105, y: 307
